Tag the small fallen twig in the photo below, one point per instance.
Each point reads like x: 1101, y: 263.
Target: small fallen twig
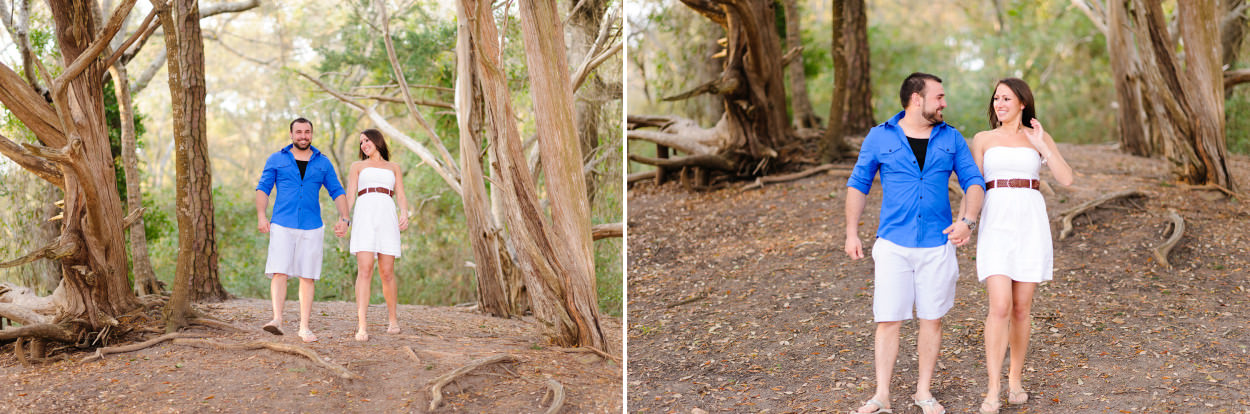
x: 1178, y: 229
x: 339, y: 370
x: 436, y: 390
x: 1066, y: 217
x: 557, y: 392
x: 101, y: 352
x: 693, y: 299
x: 759, y: 182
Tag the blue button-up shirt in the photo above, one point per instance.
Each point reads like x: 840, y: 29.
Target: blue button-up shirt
x: 915, y: 205
x: 297, y: 205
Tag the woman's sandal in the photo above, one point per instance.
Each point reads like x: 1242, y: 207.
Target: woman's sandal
x: 1017, y: 397
x: 873, y: 402
x: 985, y: 411
x: 362, y: 336
x: 393, y: 329
x: 307, y: 336
x: 925, y: 405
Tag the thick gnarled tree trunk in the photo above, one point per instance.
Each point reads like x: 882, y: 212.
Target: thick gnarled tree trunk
x: 753, y: 137
x: 77, y: 157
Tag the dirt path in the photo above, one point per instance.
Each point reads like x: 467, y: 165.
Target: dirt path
x: 744, y: 302
x: 180, y: 378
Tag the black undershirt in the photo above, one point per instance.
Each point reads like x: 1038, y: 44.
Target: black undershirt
x: 303, y: 165
x: 919, y: 146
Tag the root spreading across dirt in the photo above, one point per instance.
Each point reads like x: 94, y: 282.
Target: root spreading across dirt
x: 743, y: 301
x: 479, y: 363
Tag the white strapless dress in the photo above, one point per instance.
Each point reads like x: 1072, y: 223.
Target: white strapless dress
x: 1014, y: 238
x: 375, y: 223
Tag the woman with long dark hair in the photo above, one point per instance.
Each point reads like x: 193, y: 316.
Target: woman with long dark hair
x: 375, y: 189
x: 1014, y: 251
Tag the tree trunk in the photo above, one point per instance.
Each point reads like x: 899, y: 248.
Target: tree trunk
x: 552, y: 93
x: 1169, y: 105
x: 94, y: 286
x: 195, y: 276
x: 534, y: 249
x: 584, y: 22
x: 493, y: 289
x: 1126, y: 71
x: 145, y: 282
x: 850, y: 112
x: 802, y: 114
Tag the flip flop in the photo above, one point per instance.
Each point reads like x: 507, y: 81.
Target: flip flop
x: 393, y: 329
x: 1017, y: 397
x: 307, y: 336
x: 272, y: 328
x: 362, y: 336
x: 873, y: 402
x: 982, y: 410
x: 925, y: 405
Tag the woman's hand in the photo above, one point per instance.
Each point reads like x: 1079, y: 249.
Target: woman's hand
x: 403, y: 221
x: 1036, y: 135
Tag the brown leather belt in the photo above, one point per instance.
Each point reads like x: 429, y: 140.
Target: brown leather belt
x: 1014, y: 183
x: 382, y: 190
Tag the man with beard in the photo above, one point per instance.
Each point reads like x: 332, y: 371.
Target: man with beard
x: 296, y: 233
x: 914, y: 254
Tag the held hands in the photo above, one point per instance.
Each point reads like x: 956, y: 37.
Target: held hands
x: 403, y: 222
x: 958, y: 233
x: 262, y: 224
x: 340, y: 228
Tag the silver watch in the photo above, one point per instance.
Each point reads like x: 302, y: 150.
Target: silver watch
x: 972, y: 224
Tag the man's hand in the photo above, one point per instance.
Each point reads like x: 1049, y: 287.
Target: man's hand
x: 958, y: 233
x: 262, y: 224
x: 854, y: 247
x: 403, y: 222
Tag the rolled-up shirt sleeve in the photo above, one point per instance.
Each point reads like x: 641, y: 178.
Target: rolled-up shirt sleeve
x: 966, y: 166
x: 268, y: 177
x: 866, y: 166
x: 331, y: 181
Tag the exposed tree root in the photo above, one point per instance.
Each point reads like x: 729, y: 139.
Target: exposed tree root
x: 338, y: 370
x: 1213, y: 187
x: 436, y: 390
x: 101, y: 352
x: 47, y: 331
x: 1066, y: 217
x: 214, y: 323
x: 1178, y: 229
x: 712, y: 162
x: 412, y: 354
x: 759, y: 182
x: 557, y: 396
x: 590, y: 350
x: 639, y: 176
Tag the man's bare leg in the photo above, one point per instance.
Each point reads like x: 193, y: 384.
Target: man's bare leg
x: 277, y: 295
x: 305, y: 308
x: 885, y: 352
x: 928, y: 344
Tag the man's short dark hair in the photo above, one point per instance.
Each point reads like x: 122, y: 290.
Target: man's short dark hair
x: 914, y: 84
x: 300, y: 120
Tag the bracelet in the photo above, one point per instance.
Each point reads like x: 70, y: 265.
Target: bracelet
x: 345, y: 220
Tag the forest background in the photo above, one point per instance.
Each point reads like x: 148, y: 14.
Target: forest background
x: 970, y: 44
x: 253, y: 65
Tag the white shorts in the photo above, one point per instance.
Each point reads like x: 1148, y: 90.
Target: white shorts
x: 295, y: 252
x: 906, y: 276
